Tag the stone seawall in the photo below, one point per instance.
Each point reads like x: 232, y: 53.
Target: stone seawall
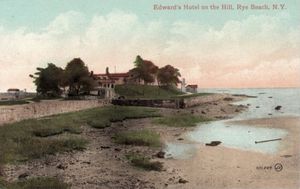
x: 15, y: 113
x: 170, y: 103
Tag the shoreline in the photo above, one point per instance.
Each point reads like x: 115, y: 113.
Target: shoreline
x: 103, y: 163
x: 224, y: 167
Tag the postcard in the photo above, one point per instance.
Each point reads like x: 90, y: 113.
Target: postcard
x: 143, y: 94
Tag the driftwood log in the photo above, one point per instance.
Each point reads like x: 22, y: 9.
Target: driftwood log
x: 262, y: 141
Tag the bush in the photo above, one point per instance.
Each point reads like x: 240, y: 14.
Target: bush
x: 144, y: 162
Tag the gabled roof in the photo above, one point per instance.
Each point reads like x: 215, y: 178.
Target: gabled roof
x: 13, y: 90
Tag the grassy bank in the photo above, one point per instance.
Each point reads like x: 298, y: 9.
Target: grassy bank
x: 143, y: 162
x: 139, y: 138
x: 36, y: 138
x: 182, y: 120
x: 146, y: 92
x: 13, y: 102
x: 193, y: 95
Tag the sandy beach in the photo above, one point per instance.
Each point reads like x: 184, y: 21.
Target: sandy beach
x: 221, y: 167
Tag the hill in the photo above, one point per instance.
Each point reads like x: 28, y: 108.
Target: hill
x: 147, y: 91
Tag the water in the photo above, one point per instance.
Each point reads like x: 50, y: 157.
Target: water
x: 266, y: 100
x: 180, y: 150
x: 241, y: 136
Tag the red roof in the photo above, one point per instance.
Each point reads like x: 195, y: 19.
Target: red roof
x: 192, y: 86
x: 113, y: 75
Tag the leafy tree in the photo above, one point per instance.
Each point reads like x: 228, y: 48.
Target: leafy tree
x: 138, y: 61
x: 77, y: 77
x: 48, y: 80
x: 144, y: 70
x: 168, y: 75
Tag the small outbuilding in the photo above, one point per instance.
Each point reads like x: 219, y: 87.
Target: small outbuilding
x: 192, y: 88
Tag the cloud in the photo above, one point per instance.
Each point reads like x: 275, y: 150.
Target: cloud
x: 257, y: 51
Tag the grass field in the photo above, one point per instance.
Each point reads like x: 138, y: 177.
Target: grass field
x: 30, y: 139
x: 146, y: 92
x: 36, y: 138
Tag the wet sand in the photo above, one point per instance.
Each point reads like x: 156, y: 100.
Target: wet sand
x: 222, y: 167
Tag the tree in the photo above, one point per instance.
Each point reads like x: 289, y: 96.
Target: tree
x: 144, y: 70
x: 48, y: 80
x: 77, y: 77
x: 168, y: 75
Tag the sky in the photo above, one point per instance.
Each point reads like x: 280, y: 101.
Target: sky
x: 211, y: 48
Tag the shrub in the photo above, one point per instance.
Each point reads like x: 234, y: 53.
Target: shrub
x: 139, y: 138
x: 144, y: 162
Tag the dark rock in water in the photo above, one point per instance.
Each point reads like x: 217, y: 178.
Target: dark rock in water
x: 270, y: 114
x: 257, y: 107
x: 161, y: 154
x: 278, y: 107
x: 213, y: 143
x: 237, y: 110
x: 228, y: 99
x: 182, y: 181
x: 180, y: 139
x: 270, y: 97
x: 23, y: 176
x: 248, y: 104
x: 203, y: 112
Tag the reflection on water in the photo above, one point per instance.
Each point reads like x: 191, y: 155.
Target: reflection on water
x: 241, y: 137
